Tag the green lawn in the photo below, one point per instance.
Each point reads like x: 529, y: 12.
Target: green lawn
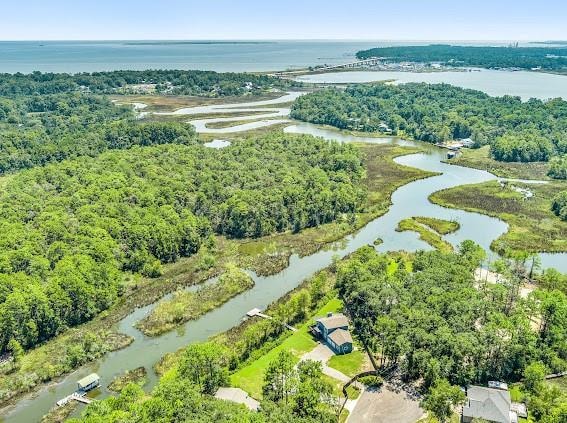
x: 336, y: 385
x: 349, y: 364
x: 353, y: 392
x: 251, y: 377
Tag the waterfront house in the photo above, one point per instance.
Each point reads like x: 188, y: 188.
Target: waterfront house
x: 334, y: 330
x: 88, y: 383
x: 491, y: 404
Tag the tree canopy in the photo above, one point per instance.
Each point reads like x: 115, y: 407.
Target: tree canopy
x: 550, y: 58
x: 47, y: 117
x: 186, y: 82
x: 437, y: 322
x: 559, y: 205
x: 516, y: 131
x: 70, y: 229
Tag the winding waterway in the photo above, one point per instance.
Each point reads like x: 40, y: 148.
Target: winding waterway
x: 408, y: 200
x: 269, y: 116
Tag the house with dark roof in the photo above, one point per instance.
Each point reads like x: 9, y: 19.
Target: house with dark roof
x: 334, y: 330
x: 491, y: 404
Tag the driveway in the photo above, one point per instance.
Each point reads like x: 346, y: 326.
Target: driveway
x: 320, y: 353
x: 385, y: 406
x: 323, y: 354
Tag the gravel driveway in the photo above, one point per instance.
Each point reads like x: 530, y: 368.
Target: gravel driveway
x: 385, y: 406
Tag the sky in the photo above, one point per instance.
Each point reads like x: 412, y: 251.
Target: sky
x: 283, y: 19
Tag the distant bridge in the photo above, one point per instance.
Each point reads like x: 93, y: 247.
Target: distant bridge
x: 349, y: 65
x: 357, y: 64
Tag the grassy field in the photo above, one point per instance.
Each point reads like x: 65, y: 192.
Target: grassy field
x: 480, y: 159
x: 168, y: 103
x: 533, y: 226
x: 349, y: 364
x: 185, y: 306
x: 222, y: 125
x: 187, y: 118
x: 251, y: 377
x: 425, y: 234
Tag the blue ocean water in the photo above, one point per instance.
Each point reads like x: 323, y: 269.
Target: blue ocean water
x: 89, y: 56
x: 223, y: 56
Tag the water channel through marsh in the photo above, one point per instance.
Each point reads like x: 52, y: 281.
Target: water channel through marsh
x: 407, y: 201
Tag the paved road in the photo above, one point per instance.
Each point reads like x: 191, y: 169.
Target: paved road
x: 385, y: 407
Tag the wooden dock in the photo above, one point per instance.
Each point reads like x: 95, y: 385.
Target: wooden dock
x: 258, y: 312
x: 75, y: 396
x: 84, y: 400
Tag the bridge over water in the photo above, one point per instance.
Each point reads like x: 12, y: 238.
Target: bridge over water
x: 349, y: 65
x: 359, y: 63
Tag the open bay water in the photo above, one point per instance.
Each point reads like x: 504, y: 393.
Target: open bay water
x: 408, y: 200
x: 221, y: 56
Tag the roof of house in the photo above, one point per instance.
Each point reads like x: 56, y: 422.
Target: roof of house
x: 334, y: 321
x: 340, y: 337
x: 487, y: 403
x: 239, y: 396
x: 87, y: 380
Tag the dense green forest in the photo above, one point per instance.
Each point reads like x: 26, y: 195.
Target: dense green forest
x: 516, y: 131
x: 435, y: 322
x: 47, y: 117
x: 193, y: 82
x: 37, y: 130
x: 548, y: 58
x: 69, y: 229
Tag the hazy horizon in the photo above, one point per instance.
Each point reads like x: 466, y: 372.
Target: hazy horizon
x: 360, y: 20
x: 196, y: 40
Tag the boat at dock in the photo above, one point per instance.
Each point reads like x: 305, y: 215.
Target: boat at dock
x: 84, y: 385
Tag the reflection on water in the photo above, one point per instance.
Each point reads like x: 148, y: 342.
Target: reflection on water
x: 408, y: 200
x: 497, y: 83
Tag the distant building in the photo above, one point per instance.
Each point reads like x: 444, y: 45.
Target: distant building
x: 493, y: 405
x: 334, y: 330
x: 89, y: 382
x: 467, y: 142
x: 382, y: 127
